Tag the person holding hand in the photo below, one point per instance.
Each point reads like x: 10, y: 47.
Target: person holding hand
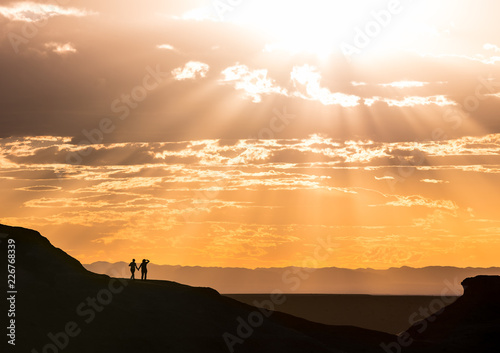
x: 133, y: 267
x: 144, y: 269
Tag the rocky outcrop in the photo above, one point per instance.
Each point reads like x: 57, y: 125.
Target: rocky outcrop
x: 471, y: 324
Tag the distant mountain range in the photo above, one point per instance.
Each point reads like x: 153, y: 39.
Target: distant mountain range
x: 394, y: 281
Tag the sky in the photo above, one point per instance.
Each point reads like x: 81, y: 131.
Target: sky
x: 240, y: 133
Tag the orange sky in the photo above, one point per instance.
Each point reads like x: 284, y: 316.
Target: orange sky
x: 254, y: 134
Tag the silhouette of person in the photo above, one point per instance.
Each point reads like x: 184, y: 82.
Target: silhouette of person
x: 133, y: 267
x: 144, y: 269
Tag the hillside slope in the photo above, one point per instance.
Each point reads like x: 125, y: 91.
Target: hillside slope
x: 58, y: 298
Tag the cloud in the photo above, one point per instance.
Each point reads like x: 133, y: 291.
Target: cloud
x: 311, y: 186
x: 92, y: 91
x: 40, y: 188
x: 191, y: 71
x: 34, y: 12
x: 198, y: 14
x: 434, y: 181
x: 414, y: 201
x: 404, y: 84
x: 315, y: 149
x: 370, y: 101
x: 308, y: 77
x: 489, y: 46
x: 165, y: 47
x: 60, y: 48
x: 305, y: 80
x: 385, y: 178
x: 254, y: 83
x: 412, y: 101
x: 491, y: 60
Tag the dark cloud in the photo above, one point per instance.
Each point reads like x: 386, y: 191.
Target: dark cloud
x: 121, y: 155
x: 40, y: 188
x: 45, y: 93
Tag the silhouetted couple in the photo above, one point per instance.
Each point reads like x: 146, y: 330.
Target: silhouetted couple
x: 143, y: 267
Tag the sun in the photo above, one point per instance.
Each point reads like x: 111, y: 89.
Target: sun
x: 312, y: 26
x: 321, y: 27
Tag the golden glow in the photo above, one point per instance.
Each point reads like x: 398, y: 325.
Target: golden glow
x: 298, y: 26
x: 321, y: 26
x: 209, y: 211
x: 171, y: 131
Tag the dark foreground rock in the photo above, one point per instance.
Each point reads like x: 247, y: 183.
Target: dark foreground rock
x: 471, y: 324
x: 62, y: 307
